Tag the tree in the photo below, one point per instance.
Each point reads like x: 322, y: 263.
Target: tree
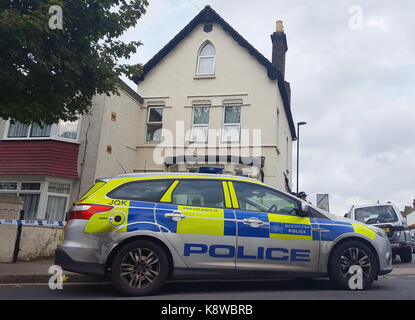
x: 55, y: 55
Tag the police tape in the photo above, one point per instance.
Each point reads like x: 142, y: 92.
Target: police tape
x: 34, y: 223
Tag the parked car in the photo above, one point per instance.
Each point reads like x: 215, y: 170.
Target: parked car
x: 140, y: 228
x: 413, y: 240
x: 389, y: 218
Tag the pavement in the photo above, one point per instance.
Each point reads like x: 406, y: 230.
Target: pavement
x: 38, y: 272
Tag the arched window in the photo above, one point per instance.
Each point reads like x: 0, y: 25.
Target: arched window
x: 206, y: 60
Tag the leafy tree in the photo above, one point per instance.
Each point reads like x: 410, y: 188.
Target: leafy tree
x: 49, y: 73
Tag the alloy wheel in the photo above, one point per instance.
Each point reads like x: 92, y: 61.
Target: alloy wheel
x: 140, y: 267
x: 355, y: 256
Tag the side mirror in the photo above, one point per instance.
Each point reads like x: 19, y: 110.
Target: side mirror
x: 303, y: 212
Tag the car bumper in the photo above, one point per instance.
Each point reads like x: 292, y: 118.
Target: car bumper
x: 384, y: 272
x: 400, y: 245
x: 67, y: 263
x: 384, y: 250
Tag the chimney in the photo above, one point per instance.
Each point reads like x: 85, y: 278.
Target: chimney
x: 279, y: 48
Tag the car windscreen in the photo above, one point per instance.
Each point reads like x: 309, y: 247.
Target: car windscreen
x: 375, y: 214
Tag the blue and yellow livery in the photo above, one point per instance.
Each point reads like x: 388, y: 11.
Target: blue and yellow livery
x: 138, y: 228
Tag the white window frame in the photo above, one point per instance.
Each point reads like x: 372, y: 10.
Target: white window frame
x: 192, y: 137
x: 154, y: 122
x: 231, y: 124
x: 56, y: 194
x: 206, y: 57
x: 54, y: 133
x: 43, y: 193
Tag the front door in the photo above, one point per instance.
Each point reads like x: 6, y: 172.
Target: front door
x: 196, y: 221
x: 270, y: 233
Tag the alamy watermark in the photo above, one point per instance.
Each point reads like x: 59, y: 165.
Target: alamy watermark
x: 57, y: 278
x: 356, y: 279
x: 204, y: 146
x: 56, y: 20
x: 356, y: 17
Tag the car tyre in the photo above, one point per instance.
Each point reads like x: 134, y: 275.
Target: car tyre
x: 140, y: 268
x: 348, y: 254
x: 406, y: 255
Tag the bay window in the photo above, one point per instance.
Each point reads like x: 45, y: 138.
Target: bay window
x: 43, y: 200
x: 63, y: 130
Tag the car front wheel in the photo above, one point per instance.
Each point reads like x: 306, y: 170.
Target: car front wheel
x: 352, y: 265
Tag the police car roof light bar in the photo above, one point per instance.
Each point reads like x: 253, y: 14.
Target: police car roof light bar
x: 212, y: 170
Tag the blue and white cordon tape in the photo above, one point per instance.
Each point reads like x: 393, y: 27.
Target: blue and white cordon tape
x: 34, y: 223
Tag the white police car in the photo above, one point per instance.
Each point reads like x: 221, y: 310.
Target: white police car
x: 139, y: 228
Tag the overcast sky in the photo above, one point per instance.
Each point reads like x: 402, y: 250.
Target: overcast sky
x: 351, y: 65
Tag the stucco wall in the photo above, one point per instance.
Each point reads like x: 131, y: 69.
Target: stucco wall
x: 2, y: 127
x: 100, y: 131
x: 119, y: 134
x: 89, y: 137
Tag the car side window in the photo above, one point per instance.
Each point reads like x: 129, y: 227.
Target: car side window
x: 199, y: 193
x: 148, y: 191
x: 257, y: 198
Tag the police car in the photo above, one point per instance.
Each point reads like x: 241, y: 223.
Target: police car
x: 139, y: 228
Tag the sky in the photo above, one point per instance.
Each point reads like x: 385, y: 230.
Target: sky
x: 351, y: 66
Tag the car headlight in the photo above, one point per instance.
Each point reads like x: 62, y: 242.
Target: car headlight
x: 379, y: 232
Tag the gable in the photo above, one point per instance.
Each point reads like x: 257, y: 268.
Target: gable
x: 209, y: 16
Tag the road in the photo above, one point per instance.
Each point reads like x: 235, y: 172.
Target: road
x: 399, y: 285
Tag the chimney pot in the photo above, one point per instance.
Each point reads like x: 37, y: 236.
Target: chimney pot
x: 279, y: 48
x: 279, y: 26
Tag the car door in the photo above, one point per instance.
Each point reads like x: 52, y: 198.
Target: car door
x: 270, y: 233
x: 194, y: 217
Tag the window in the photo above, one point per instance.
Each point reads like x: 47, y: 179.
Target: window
x: 8, y: 186
x: 287, y: 155
x: 206, y: 60
x: 41, y: 200
x: 278, y: 127
x: 154, y: 123
x: 199, y: 193
x: 57, y: 200
x: 62, y: 130
x: 232, y: 124
x: 68, y: 129
x: 200, y: 124
x: 37, y: 131
x: 261, y: 199
x: 18, y: 130
x: 55, y: 209
x: 376, y: 214
x: 30, y: 205
x: 149, y: 191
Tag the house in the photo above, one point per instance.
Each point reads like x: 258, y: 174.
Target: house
x: 409, y: 213
x: 53, y: 166
x: 207, y: 99
x: 232, y: 105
